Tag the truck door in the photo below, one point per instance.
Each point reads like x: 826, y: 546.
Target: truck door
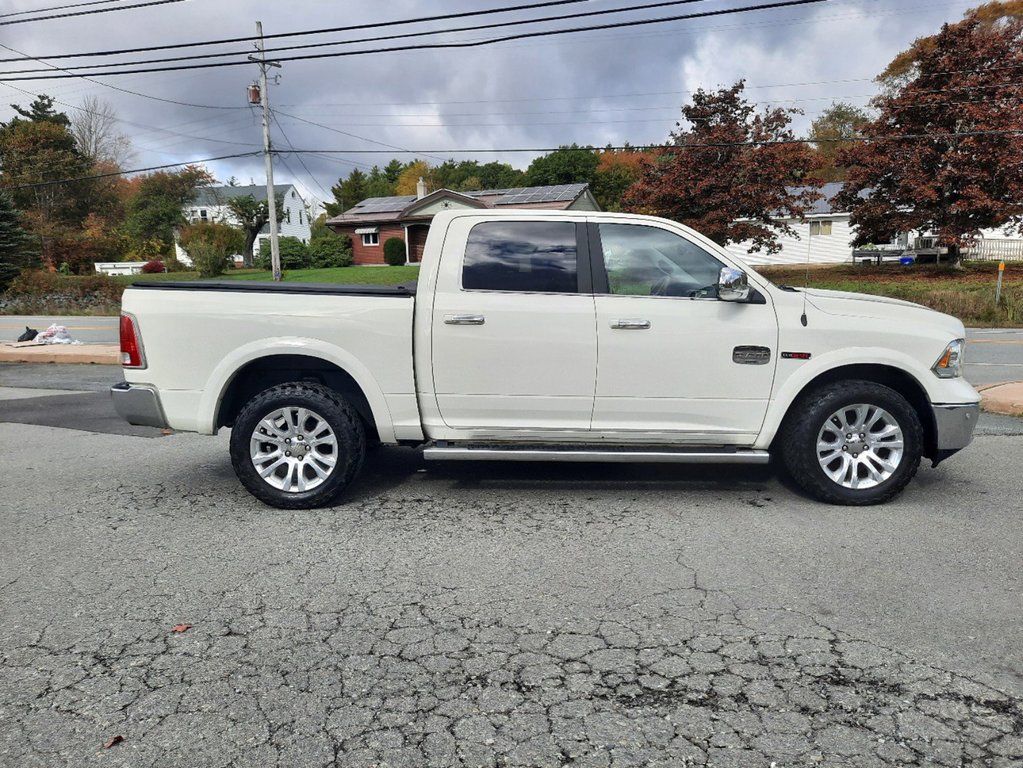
x: 513, y: 335
x: 673, y: 357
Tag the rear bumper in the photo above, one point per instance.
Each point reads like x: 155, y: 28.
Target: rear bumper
x: 138, y: 404
x: 954, y: 425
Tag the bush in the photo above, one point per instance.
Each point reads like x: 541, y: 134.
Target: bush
x: 294, y: 253
x: 209, y: 258
x: 394, y: 251
x: 224, y: 237
x: 154, y: 266
x: 35, y: 292
x: 330, y: 251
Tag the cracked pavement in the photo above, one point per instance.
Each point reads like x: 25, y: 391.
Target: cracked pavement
x: 501, y: 615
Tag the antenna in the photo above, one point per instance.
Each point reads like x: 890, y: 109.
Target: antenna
x: 806, y: 277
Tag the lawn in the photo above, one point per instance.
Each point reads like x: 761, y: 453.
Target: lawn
x: 968, y: 293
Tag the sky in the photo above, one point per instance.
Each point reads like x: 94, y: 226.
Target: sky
x: 592, y: 88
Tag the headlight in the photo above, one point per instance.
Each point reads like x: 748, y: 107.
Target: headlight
x: 950, y: 364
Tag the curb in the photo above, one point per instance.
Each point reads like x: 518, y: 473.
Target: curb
x: 1005, y: 399
x: 82, y: 354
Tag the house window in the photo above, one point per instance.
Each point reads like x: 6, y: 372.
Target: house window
x: 818, y: 228
x: 300, y: 217
x: 287, y: 215
x: 202, y: 214
x: 371, y: 238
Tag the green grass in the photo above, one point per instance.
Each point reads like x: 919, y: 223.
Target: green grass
x: 341, y: 275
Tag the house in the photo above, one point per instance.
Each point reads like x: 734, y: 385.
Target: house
x: 825, y: 237
x: 119, y: 267
x: 373, y: 221
x: 210, y: 205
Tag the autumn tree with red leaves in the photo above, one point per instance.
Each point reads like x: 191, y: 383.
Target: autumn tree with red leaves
x: 945, y: 154
x: 729, y: 172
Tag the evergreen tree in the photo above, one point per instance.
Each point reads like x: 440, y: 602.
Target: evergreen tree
x: 15, y: 244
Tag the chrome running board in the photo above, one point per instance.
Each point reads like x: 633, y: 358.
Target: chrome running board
x: 609, y: 455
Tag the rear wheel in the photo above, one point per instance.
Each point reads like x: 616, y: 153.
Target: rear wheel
x: 852, y: 442
x: 297, y: 445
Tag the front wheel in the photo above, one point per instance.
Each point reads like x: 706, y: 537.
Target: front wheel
x: 852, y: 443
x: 297, y: 445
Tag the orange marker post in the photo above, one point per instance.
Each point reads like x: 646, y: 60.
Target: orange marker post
x: 998, y: 288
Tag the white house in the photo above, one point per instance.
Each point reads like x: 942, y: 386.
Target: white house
x: 210, y: 205
x: 825, y: 237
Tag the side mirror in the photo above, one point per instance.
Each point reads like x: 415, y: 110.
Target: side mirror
x: 733, y: 285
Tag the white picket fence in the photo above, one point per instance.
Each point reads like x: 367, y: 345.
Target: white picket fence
x: 995, y: 250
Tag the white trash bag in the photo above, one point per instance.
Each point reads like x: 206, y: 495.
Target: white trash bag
x: 55, y: 334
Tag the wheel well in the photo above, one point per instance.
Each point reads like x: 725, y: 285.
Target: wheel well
x: 267, y: 372
x: 902, y: 382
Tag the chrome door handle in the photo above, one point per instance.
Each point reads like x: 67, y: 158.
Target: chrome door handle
x: 630, y: 325
x: 464, y: 319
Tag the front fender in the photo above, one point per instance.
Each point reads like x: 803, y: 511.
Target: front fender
x: 794, y: 376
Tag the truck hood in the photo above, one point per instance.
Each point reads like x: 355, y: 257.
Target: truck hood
x: 880, y: 307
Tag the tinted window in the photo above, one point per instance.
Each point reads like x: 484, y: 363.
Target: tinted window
x: 533, y: 256
x: 647, y: 261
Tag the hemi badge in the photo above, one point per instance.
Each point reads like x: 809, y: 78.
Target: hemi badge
x: 795, y: 355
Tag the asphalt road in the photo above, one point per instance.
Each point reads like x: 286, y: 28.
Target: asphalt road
x: 88, y: 330
x: 494, y: 614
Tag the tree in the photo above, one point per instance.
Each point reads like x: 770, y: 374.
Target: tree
x: 836, y: 129
x: 617, y: 170
x: 156, y: 210
x: 944, y: 155
x: 294, y: 253
x: 725, y: 175
x: 347, y: 193
x: 392, y: 171
x: 230, y: 240
x: 253, y: 215
x: 565, y: 165
x: 409, y: 179
x: 394, y: 251
x: 94, y: 127
x: 15, y: 244
x: 41, y: 111
x: 378, y: 183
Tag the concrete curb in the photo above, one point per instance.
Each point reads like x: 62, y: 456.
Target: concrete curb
x: 85, y: 354
x: 1005, y: 399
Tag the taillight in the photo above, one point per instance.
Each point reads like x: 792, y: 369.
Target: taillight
x: 132, y: 355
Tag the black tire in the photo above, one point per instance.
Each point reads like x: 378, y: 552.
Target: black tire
x: 797, y: 441
x: 348, y: 450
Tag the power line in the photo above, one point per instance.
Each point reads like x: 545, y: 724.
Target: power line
x: 301, y: 33
x: 58, y: 8
x: 450, y: 45
x: 378, y: 38
x: 680, y: 147
x: 350, y: 135
x: 667, y: 149
x: 89, y: 12
x: 123, y: 90
x: 96, y: 176
x: 284, y: 134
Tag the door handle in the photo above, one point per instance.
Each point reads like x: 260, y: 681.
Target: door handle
x: 630, y: 325
x: 464, y: 319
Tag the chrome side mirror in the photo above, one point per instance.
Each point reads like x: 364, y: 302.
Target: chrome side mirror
x: 733, y: 285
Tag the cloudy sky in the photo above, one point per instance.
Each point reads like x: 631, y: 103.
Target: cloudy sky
x: 597, y: 87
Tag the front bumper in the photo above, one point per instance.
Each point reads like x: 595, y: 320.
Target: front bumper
x: 138, y: 404
x: 953, y: 427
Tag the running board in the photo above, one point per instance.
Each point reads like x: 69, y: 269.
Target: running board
x: 610, y: 455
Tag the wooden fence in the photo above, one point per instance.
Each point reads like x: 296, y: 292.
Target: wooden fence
x: 995, y: 250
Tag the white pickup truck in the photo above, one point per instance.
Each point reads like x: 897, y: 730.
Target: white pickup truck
x: 558, y: 336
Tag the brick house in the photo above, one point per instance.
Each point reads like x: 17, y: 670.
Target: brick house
x: 373, y: 221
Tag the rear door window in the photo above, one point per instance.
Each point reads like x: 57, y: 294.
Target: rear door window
x: 526, y: 256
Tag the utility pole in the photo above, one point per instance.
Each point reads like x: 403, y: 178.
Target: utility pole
x: 271, y: 200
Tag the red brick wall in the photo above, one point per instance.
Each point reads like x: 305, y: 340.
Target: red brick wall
x: 370, y: 254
